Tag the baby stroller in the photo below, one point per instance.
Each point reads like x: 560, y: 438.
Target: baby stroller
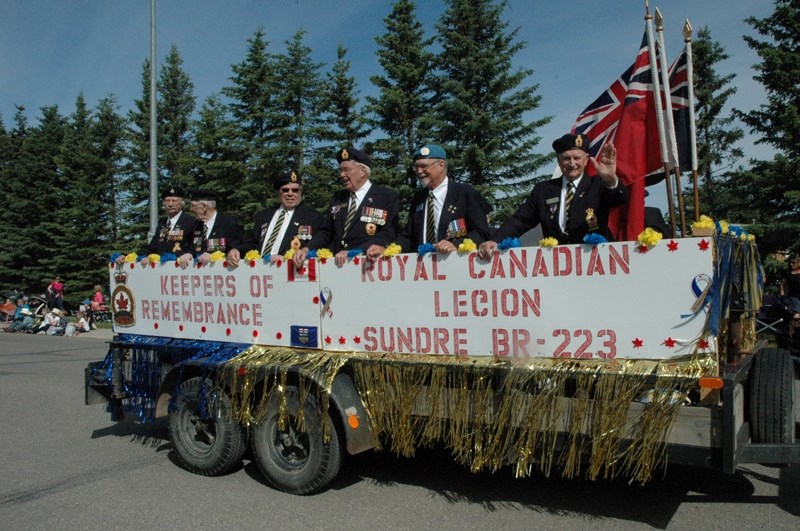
x: 775, y: 318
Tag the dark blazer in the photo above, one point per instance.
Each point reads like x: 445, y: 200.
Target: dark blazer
x: 303, y: 216
x: 178, y: 241
x: 362, y: 233
x: 542, y: 206
x: 462, y: 202
x: 225, y: 235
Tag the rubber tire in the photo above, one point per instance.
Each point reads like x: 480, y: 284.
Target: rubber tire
x: 305, y: 464
x: 189, y: 434
x: 772, y: 397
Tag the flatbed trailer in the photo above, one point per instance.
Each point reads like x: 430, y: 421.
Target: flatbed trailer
x: 297, y: 367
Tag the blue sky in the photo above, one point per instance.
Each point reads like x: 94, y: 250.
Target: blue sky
x: 52, y: 50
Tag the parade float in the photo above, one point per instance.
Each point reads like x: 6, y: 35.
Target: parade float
x: 594, y: 360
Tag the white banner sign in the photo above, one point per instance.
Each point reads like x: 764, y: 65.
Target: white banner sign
x: 614, y: 300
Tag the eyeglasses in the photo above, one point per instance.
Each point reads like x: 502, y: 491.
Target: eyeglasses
x: 796, y: 319
x: 424, y: 166
x: 288, y: 190
x: 343, y: 170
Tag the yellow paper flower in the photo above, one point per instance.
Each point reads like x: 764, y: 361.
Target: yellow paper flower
x: 289, y: 254
x: 751, y: 237
x: 548, y: 242
x: 704, y: 222
x: 252, y: 255
x: 216, y: 256
x: 154, y: 258
x: 649, y: 237
x: 392, y: 250
x: 724, y: 226
x: 131, y: 257
x: 467, y: 246
x: 324, y: 254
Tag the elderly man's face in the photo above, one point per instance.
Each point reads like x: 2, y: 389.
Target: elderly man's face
x: 572, y: 163
x: 353, y: 175
x: 201, y: 210
x: 290, y: 195
x: 173, y: 205
x: 430, y: 172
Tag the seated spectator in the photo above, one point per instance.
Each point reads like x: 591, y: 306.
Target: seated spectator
x: 24, y: 324
x: 82, y: 326
x: 52, y: 324
x: 9, y: 310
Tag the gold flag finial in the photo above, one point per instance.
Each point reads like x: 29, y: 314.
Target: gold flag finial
x: 687, y: 31
x: 659, y: 20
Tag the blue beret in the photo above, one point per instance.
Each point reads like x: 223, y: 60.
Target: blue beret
x: 354, y: 155
x: 430, y: 151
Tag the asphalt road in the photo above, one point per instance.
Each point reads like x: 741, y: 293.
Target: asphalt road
x: 67, y: 466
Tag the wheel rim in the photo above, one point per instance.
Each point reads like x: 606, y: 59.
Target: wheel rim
x: 198, y: 435
x: 289, y: 447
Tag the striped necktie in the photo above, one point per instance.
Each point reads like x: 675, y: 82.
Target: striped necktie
x: 351, y: 213
x: 274, y: 234
x: 430, y: 225
x: 567, y: 202
x: 165, y: 230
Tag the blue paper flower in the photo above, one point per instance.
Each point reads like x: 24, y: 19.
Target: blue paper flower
x: 508, y: 243
x: 115, y: 257
x: 594, y: 238
x: 266, y: 258
x: 312, y: 253
x: 354, y: 252
x: 425, y: 248
x: 168, y: 257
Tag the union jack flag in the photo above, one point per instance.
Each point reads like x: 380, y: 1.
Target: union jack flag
x: 679, y: 94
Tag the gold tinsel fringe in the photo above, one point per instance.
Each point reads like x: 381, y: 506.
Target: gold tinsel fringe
x: 565, y: 414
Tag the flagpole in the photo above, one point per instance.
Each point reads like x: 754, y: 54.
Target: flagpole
x: 672, y: 143
x: 659, y: 117
x: 153, y: 130
x: 687, y: 38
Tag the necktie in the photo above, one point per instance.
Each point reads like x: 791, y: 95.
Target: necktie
x: 165, y: 230
x: 204, y: 239
x: 351, y: 213
x: 430, y: 225
x: 274, y: 234
x: 568, y: 201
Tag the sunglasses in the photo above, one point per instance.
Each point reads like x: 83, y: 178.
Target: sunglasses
x: 287, y: 190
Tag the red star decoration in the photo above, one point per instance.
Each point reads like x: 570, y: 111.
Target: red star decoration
x: 342, y: 340
x: 357, y: 340
x: 703, y: 245
x: 669, y: 342
x: 638, y: 343
x: 241, y: 371
x: 278, y: 263
x: 323, y: 260
x: 642, y: 249
x: 301, y: 271
x: 356, y: 260
x: 672, y: 246
x: 328, y: 340
x: 703, y: 344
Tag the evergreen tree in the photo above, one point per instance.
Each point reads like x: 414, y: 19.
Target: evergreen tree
x: 252, y: 106
x: 108, y: 136
x: 716, y: 136
x: 401, y: 109
x: 482, y: 103
x: 17, y: 200
x: 175, y: 107
x: 770, y: 190
x: 341, y: 105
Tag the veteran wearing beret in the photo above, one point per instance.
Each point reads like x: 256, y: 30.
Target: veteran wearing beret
x: 277, y: 229
x: 213, y: 230
x: 443, y: 212
x: 174, y: 234
x: 361, y: 215
x: 571, y: 206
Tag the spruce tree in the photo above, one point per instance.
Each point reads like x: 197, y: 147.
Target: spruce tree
x: 770, y: 190
x: 484, y: 105
x: 108, y: 136
x: 176, y: 104
x: 401, y: 110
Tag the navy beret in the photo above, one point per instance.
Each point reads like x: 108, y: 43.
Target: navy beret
x: 569, y: 141
x: 288, y: 177
x: 172, y: 191
x: 200, y: 194
x: 354, y: 155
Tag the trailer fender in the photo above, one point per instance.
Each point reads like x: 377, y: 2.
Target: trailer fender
x: 355, y: 421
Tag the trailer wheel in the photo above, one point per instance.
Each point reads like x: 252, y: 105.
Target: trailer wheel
x: 295, y: 461
x: 772, y: 397
x: 206, y: 439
